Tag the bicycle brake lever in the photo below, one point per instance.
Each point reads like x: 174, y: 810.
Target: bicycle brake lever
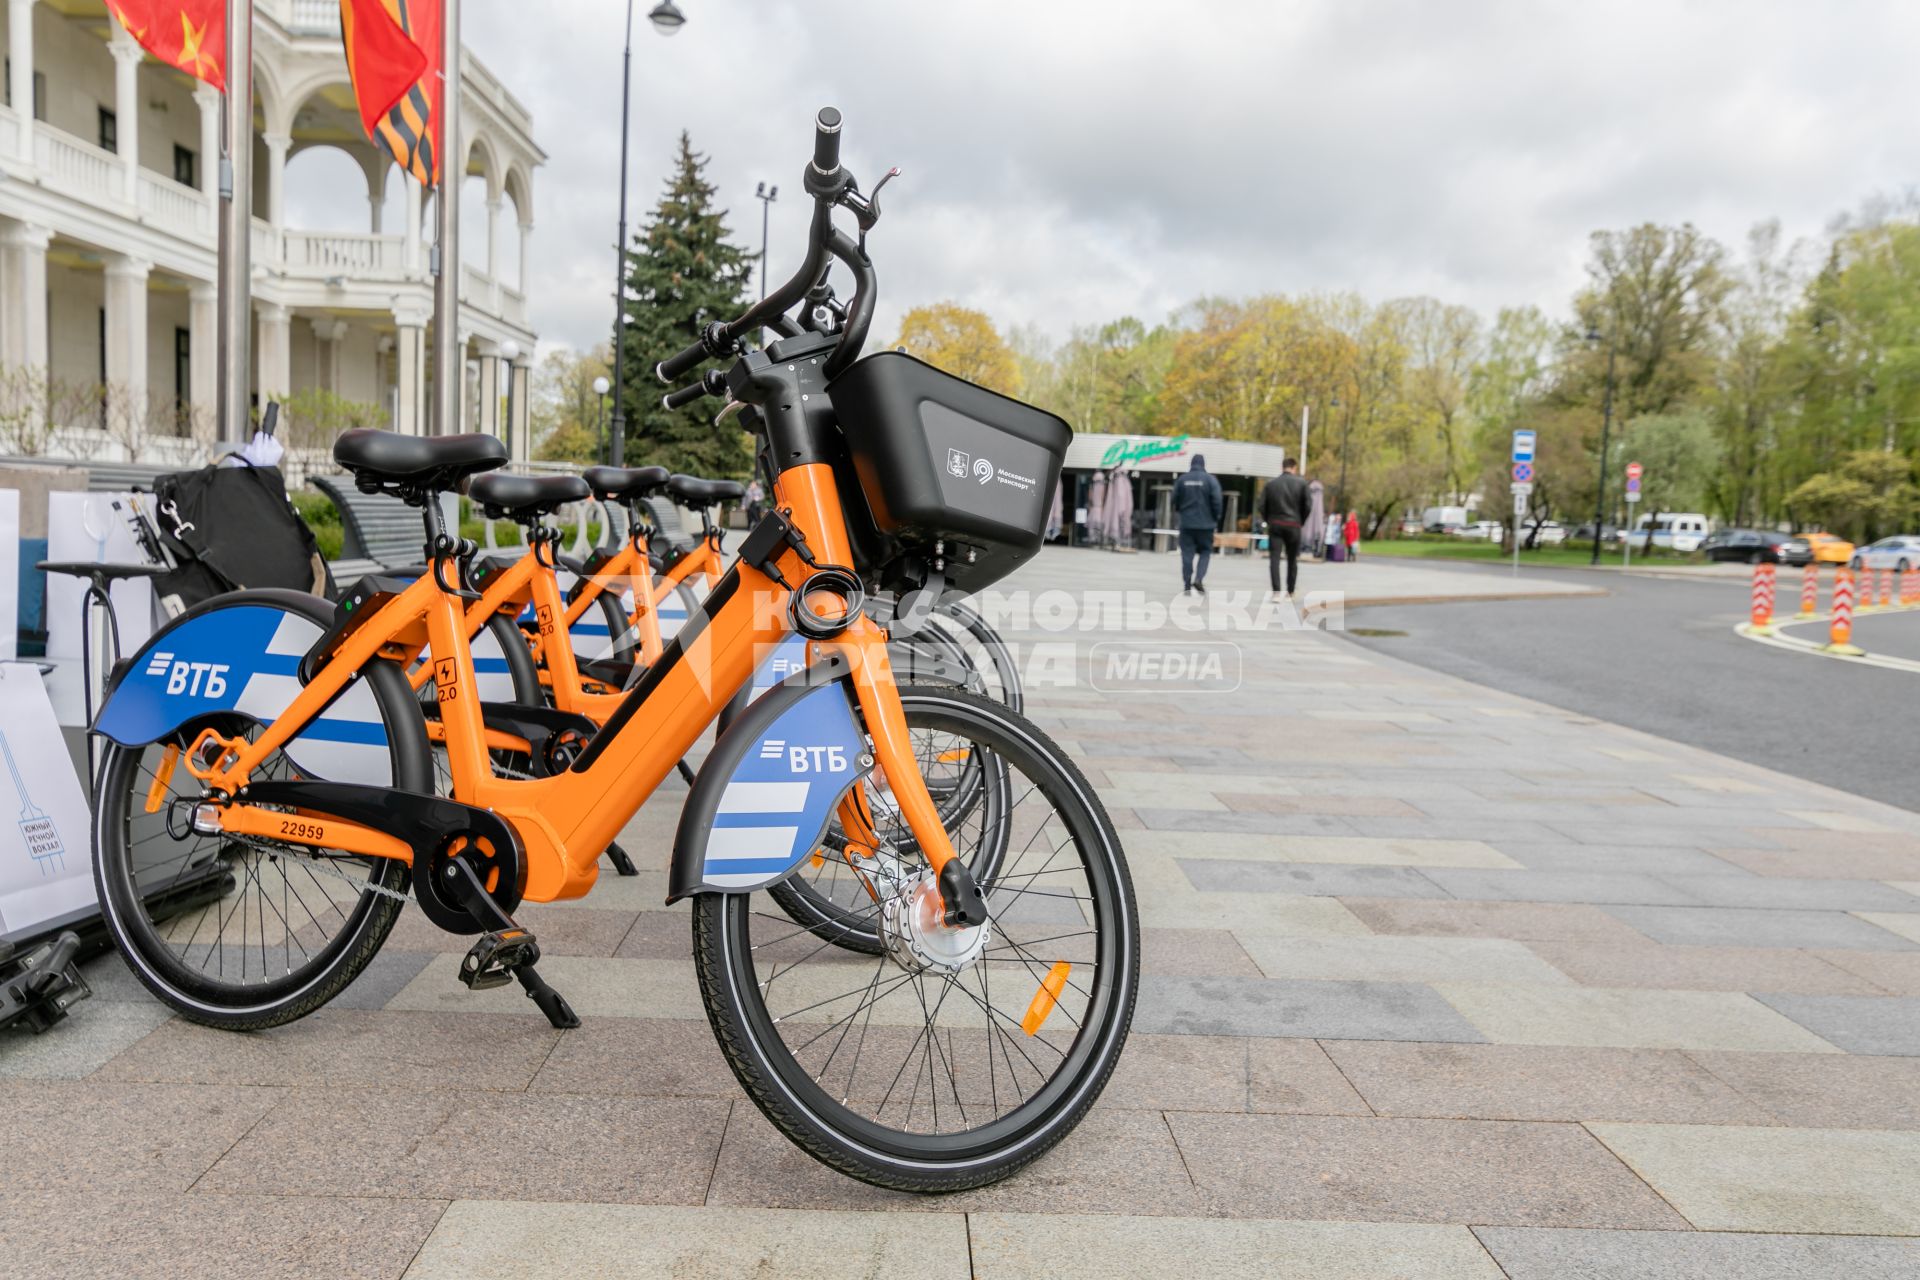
x: 733, y: 407
x: 866, y: 209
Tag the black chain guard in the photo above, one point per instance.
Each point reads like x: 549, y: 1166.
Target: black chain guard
x: 435, y: 827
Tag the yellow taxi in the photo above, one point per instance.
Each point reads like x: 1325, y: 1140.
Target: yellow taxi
x: 1828, y: 549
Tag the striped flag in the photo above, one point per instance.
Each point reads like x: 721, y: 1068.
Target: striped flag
x: 188, y: 34
x: 393, y: 57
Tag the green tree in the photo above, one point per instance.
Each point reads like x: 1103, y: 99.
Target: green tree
x: 963, y: 342
x: 569, y: 416
x: 1681, y: 456
x: 685, y: 272
x: 1656, y: 297
x: 1870, y: 494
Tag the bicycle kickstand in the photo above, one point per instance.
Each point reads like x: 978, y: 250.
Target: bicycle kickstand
x: 622, y: 863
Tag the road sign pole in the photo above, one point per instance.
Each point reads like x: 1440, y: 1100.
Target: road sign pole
x: 1633, y: 497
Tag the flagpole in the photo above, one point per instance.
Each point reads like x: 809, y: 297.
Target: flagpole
x: 234, y: 323
x: 449, y: 369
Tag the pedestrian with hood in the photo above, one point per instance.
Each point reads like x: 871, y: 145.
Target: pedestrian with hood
x: 1285, y: 504
x: 1197, y: 506
x: 1353, y: 536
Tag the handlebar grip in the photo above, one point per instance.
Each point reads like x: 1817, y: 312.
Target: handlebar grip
x: 826, y: 140
x: 673, y: 366
x: 685, y: 395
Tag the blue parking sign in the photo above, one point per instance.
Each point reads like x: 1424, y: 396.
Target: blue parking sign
x: 1523, y: 446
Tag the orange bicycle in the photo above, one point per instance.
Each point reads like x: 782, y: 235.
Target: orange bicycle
x: 935, y: 1017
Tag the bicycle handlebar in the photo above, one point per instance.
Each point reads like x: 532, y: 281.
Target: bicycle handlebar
x: 828, y: 183
x: 826, y: 142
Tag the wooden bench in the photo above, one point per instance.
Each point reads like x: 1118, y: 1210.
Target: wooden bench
x: 1233, y: 542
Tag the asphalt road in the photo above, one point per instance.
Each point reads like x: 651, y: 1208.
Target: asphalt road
x: 1661, y: 656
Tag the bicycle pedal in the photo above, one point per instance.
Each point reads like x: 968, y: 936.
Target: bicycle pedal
x: 492, y: 959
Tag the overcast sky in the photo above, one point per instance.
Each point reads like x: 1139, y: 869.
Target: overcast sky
x: 1065, y: 161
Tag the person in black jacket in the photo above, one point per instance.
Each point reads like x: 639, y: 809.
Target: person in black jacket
x: 1197, y: 507
x: 1284, y: 505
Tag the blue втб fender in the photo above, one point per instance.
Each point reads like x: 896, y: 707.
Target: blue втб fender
x: 243, y: 657
x: 768, y: 789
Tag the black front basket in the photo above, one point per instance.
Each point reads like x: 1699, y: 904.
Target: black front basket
x: 951, y: 472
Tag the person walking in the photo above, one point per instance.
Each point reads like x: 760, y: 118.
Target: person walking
x: 1352, y: 533
x: 1198, y: 505
x: 1285, y: 504
x: 756, y: 501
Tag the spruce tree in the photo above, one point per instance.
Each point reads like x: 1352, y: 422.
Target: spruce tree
x: 683, y: 273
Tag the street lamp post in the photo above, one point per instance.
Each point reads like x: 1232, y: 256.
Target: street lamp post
x: 666, y: 19
x: 1606, y: 430
x: 600, y: 386
x: 766, y: 195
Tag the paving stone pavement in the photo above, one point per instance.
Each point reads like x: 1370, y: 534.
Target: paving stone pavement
x: 1437, y: 983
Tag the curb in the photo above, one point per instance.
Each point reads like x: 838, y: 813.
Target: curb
x: 1777, y: 638
x: 1483, y: 597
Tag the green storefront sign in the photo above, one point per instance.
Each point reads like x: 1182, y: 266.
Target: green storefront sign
x: 1131, y: 453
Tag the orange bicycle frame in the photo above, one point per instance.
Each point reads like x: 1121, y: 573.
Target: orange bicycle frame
x: 565, y: 821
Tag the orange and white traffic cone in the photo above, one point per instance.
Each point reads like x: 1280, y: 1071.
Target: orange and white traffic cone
x: 1810, y: 590
x: 1910, y: 588
x: 1840, y: 627
x: 1886, y: 589
x: 1760, y: 618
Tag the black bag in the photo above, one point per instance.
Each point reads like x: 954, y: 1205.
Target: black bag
x: 233, y: 527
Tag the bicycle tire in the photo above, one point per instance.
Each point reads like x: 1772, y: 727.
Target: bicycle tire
x: 339, y: 961
x: 824, y: 1125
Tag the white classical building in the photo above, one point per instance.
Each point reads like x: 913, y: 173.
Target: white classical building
x: 108, y: 173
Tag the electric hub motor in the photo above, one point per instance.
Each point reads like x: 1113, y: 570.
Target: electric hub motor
x: 913, y: 924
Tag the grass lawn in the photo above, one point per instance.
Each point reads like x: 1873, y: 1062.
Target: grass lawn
x: 1466, y: 549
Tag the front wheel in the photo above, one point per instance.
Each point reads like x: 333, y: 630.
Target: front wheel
x: 955, y: 1056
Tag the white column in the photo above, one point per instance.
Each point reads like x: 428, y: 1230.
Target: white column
x: 24, y: 330
x: 277, y: 144
x: 414, y: 212
x: 20, y: 60
x: 203, y: 378
x: 526, y: 239
x: 493, y: 238
x: 487, y: 355
x: 410, y: 358
x: 207, y: 98
x: 275, y: 343
x: 127, y: 342
x: 520, y: 418
x: 126, y: 105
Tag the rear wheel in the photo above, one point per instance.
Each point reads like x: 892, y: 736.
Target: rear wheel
x: 296, y: 923
x: 955, y: 1056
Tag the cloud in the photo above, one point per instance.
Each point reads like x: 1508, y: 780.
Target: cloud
x: 1065, y: 162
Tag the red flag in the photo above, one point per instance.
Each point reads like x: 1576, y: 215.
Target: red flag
x: 393, y: 58
x: 188, y: 34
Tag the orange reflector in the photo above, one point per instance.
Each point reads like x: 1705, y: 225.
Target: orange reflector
x: 954, y: 756
x: 819, y: 859
x: 1044, y: 999
x: 157, y: 793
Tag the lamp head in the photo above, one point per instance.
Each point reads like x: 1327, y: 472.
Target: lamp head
x: 667, y: 18
x: 601, y: 386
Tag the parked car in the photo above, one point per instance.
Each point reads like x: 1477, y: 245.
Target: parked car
x: 1755, y: 546
x: 1483, y: 530
x: 1828, y: 549
x: 1443, y: 519
x: 1410, y: 527
x: 1608, y: 533
x: 1550, y: 534
x: 1682, y: 531
x: 1900, y: 552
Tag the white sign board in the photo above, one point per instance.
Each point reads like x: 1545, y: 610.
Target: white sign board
x: 46, y: 863
x: 1523, y: 442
